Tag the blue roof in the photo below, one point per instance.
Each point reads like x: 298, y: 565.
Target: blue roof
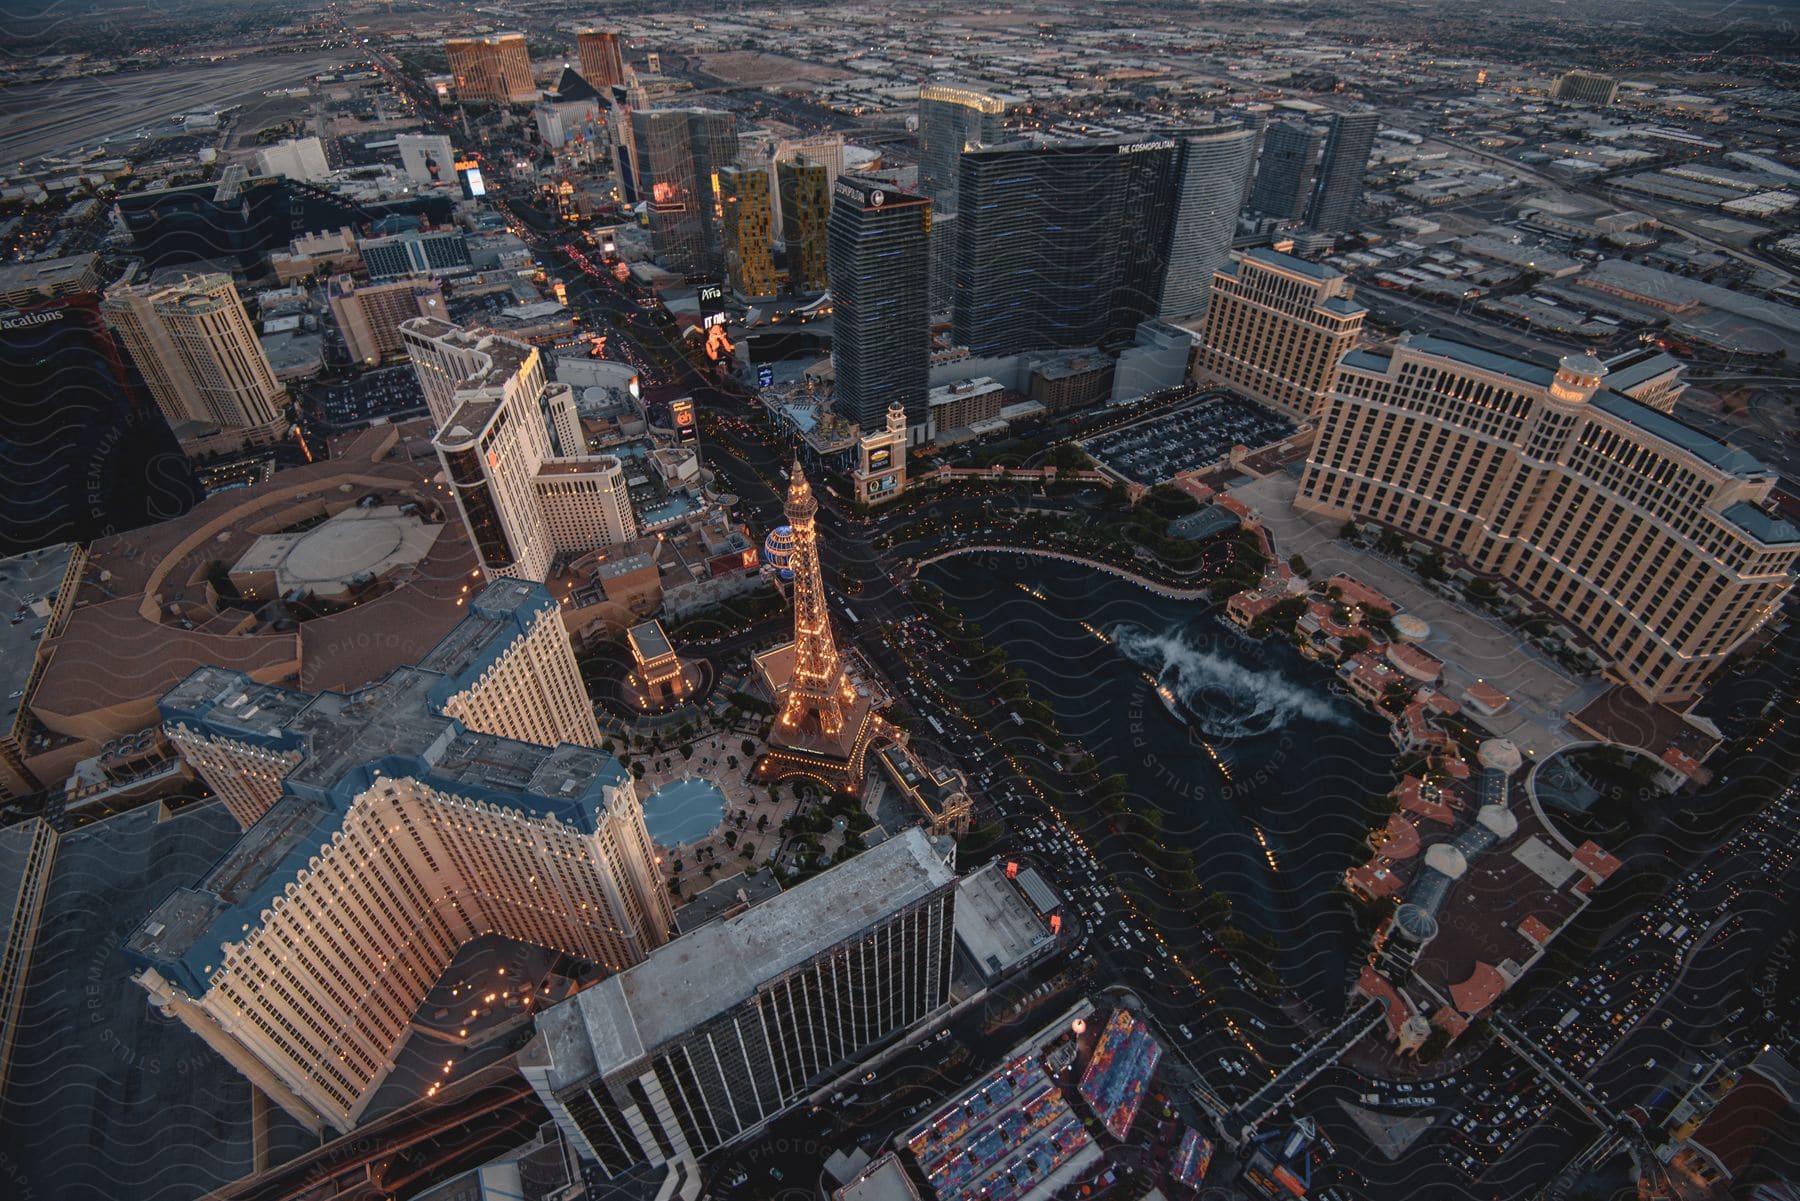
x: 1704, y: 447
x: 1366, y: 360
x: 677, y: 505
x: 500, y: 612
x: 1485, y: 360
x: 1344, y: 306
x: 1764, y: 527
x: 1287, y: 262
x: 395, y: 728
x: 805, y: 418
x: 1637, y: 367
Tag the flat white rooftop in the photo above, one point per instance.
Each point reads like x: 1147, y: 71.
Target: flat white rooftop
x: 701, y: 975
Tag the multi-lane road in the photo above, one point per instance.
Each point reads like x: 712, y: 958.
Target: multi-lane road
x: 1497, y: 1121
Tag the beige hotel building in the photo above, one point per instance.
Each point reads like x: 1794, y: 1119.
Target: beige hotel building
x: 1276, y: 329
x: 514, y: 452
x: 199, y: 354
x: 384, y: 829
x: 369, y: 315
x: 1651, y: 539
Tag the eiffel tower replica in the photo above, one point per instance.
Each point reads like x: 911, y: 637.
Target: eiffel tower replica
x: 823, y: 725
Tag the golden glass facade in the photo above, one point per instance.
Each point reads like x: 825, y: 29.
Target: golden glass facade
x: 495, y: 68
x: 747, y: 216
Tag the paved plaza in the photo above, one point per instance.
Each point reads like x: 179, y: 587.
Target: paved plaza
x: 1473, y: 646
x: 711, y: 761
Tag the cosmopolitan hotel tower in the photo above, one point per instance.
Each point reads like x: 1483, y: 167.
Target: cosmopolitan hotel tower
x: 383, y: 829
x: 722, y: 1029
x: 1646, y: 536
x: 513, y: 451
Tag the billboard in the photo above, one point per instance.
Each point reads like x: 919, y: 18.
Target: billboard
x: 765, y: 376
x: 880, y: 459
x: 718, y: 342
x: 469, y: 172
x: 683, y: 412
x: 712, y: 304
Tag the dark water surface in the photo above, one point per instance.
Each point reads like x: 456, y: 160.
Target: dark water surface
x: 1255, y: 763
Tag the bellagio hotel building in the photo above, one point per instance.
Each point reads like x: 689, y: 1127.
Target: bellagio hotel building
x: 383, y: 829
x: 1646, y: 536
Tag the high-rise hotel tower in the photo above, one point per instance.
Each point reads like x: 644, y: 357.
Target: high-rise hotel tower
x: 878, y: 242
x: 494, y: 68
x: 514, y: 453
x: 1649, y: 538
x: 383, y: 829
x: 953, y: 117
x: 194, y: 345
x: 1277, y: 327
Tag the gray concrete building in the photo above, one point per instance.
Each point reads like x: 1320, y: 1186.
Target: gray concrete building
x: 724, y: 1028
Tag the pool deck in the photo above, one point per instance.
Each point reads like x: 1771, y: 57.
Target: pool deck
x: 670, y: 829
x: 709, y: 763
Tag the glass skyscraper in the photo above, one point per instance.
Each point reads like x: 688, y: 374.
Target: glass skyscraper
x: 747, y: 215
x: 1284, y: 172
x: 878, y: 243
x: 678, y: 150
x: 952, y: 118
x: 1063, y: 244
x: 1214, y: 169
x: 805, y: 190
x: 1341, y: 172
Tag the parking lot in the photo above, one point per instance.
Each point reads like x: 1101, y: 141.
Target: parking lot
x: 387, y: 392
x: 1189, y: 438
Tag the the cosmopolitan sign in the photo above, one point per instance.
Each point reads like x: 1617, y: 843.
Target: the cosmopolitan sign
x: 872, y: 198
x: 1140, y: 147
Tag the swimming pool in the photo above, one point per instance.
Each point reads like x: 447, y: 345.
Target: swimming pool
x: 682, y: 811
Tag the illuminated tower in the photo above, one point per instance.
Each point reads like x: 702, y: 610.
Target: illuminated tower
x: 825, y: 724
x: 818, y: 690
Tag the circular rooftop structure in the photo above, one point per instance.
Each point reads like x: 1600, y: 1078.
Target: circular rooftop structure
x: 1415, y: 923
x: 1500, y: 754
x: 1410, y: 628
x: 1446, y: 859
x: 339, y: 555
x: 1499, y: 820
x: 1577, y: 378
